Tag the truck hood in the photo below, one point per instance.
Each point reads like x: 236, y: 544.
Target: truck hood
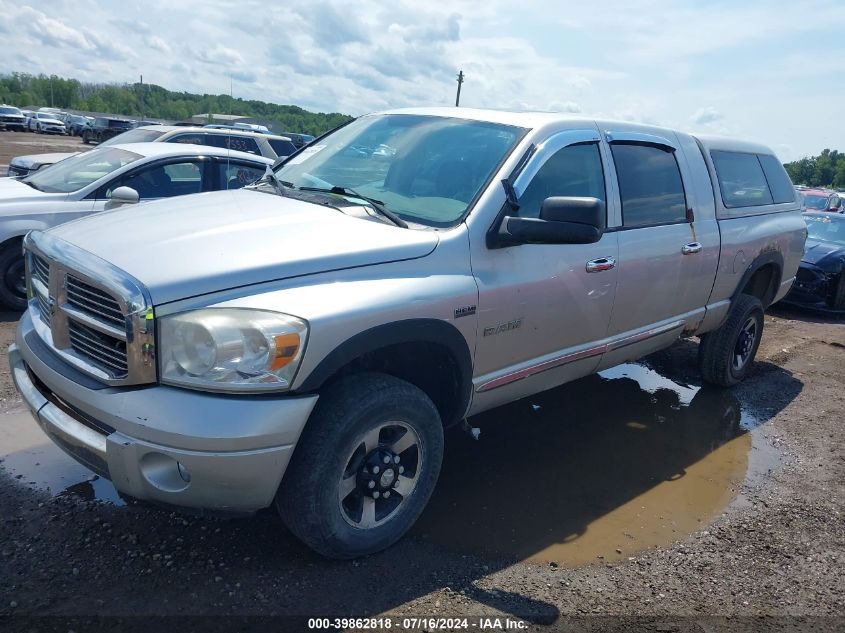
x: 826, y: 255
x: 40, y: 159
x: 208, y: 242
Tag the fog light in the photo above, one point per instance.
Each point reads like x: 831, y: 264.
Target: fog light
x: 183, y: 472
x: 164, y: 472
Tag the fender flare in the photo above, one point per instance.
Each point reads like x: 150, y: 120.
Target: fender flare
x: 763, y: 259
x: 379, y: 337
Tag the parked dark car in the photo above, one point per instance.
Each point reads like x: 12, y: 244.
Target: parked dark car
x: 820, y: 281
x: 12, y: 118
x: 299, y: 140
x: 77, y: 124
x: 102, y: 129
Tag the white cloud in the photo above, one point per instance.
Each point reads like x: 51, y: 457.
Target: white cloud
x: 734, y: 66
x: 703, y: 116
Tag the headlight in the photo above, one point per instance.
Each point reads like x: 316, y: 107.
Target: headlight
x: 231, y: 349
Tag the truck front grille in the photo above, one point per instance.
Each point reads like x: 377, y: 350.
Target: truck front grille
x: 106, y: 351
x: 93, y: 315
x: 90, y: 299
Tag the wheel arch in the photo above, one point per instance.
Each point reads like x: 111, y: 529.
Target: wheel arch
x: 762, y: 278
x: 429, y: 353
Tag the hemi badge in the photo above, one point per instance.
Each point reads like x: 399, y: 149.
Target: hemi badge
x: 464, y: 311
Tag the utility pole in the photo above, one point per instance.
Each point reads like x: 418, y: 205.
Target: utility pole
x: 460, y: 81
x: 51, y: 91
x: 142, y: 97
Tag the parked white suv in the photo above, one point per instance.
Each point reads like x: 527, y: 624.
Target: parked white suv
x: 267, y: 145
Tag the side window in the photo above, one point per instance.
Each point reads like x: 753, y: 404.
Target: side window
x: 574, y: 170
x: 282, y: 148
x: 650, y: 184
x: 189, y: 139
x: 778, y: 179
x: 163, y: 181
x: 741, y: 179
x: 237, y: 175
x: 243, y: 144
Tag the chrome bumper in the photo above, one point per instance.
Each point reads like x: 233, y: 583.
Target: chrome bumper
x: 164, y: 444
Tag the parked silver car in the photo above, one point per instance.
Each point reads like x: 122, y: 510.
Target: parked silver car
x: 45, y: 123
x: 304, y: 341
x: 267, y: 145
x: 105, y: 178
x: 12, y: 119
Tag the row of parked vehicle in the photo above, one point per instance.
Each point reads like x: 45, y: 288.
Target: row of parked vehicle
x: 821, y: 199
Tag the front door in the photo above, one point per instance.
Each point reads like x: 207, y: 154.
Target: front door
x: 540, y: 312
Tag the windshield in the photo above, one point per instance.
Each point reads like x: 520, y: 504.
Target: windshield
x: 425, y: 169
x: 76, y: 172
x: 815, y: 202
x: 826, y: 229
x: 7, y: 110
x: 133, y: 136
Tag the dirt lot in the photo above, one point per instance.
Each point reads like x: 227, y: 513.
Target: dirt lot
x: 634, y: 493
x: 24, y: 143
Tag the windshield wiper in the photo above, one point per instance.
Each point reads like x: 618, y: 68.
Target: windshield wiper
x: 31, y: 184
x: 378, y: 205
x: 278, y: 185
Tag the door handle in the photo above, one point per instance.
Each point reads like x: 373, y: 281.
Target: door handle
x: 692, y: 247
x: 600, y: 264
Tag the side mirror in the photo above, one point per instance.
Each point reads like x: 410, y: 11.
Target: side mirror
x: 122, y: 196
x: 563, y: 220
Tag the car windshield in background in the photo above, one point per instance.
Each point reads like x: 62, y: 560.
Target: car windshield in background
x: 815, y: 202
x: 133, y: 136
x: 826, y: 229
x: 72, y: 174
x: 5, y: 110
x: 425, y: 169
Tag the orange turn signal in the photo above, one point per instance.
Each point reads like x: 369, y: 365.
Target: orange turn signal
x: 286, y: 347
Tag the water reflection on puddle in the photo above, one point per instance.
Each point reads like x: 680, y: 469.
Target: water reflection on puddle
x: 34, y: 460
x: 597, y: 469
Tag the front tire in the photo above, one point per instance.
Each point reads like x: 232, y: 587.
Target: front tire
x: 12, y: 279
x: 725, y: 355
x: 364, y: 467
x: 837, y: 301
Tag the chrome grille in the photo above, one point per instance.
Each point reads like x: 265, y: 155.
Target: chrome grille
x: 93, y: 315
x: 87, y: 298
x: 41, y: 270
x: 102, y: 349
x: 43, y: 308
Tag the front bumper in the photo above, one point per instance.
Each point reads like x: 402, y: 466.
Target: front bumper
x: 53, y: 129
x: 813, y: 286
x: 160, y: 443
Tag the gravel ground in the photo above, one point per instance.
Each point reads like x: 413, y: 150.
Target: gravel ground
x: 25, y: 143
x: 776, y: 551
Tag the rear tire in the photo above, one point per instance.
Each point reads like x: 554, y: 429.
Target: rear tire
x: 12, y: 282
x: 726, y: 354
x: 343, y: 494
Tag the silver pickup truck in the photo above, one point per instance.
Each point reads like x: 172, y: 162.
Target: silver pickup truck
x: 304, y: 341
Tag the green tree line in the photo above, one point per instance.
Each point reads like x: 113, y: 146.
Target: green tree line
x: 825, y: 170
x: 155, y: 102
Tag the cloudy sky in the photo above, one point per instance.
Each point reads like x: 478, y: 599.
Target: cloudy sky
x: 769, y: 71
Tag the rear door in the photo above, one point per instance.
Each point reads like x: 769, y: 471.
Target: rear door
x: 668, y: 243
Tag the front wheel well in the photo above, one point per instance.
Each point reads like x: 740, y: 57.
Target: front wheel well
x: 428, y: 366
x: 12, y: 242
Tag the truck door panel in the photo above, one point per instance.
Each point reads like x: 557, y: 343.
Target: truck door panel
x: 540, y: 313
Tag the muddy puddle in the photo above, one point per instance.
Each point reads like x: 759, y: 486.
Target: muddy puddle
x: 595, y: 470
x: 28, y: 456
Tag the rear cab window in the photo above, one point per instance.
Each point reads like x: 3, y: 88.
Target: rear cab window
x: 750, y: 182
